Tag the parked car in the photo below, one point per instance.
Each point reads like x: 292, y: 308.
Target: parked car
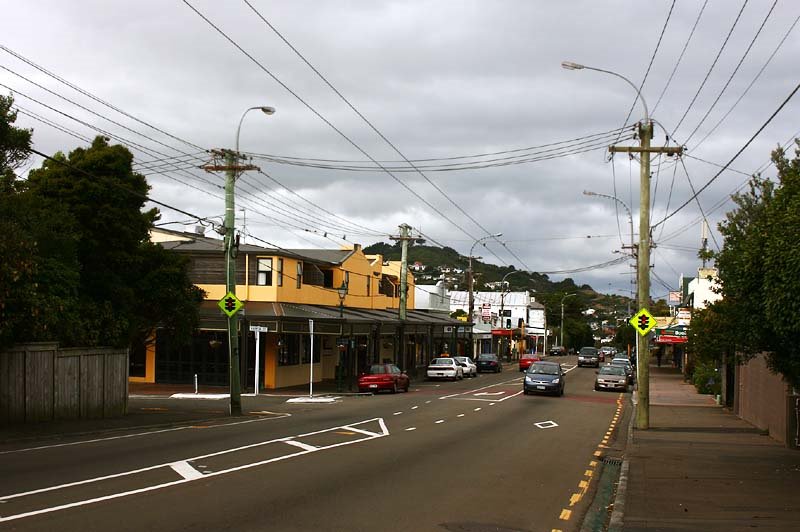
x: 606, y: 353
x: 544, y: 377
x: 527, y: 359
x: 625, y: 363
x: 557, y: 350
x: 445, y: 368
x: 588, y: 356
x: 383, y: 377
x: 469, y: 367
x: 611, y: 377
x: 489, y: 362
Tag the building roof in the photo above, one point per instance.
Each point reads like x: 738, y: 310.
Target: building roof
x: 203, y: 244
x: 511, y: 299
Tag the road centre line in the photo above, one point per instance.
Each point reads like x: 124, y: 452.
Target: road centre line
x: 3, y: 498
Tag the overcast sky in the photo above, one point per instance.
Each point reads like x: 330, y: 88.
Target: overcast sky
x: 437, y: 80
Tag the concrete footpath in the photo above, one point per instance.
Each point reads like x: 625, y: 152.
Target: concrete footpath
x: 701, y: 468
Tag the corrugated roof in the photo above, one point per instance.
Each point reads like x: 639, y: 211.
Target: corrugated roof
x: 333, y: 256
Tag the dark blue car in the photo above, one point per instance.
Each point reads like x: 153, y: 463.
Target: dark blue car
x: 544, y: 377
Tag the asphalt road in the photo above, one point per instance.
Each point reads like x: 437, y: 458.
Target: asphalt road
x: 473, y: 455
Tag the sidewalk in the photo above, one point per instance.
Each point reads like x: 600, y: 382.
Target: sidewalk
x: 701, y: 468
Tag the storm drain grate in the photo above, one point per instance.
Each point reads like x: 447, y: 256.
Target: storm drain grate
x: 612, y: 461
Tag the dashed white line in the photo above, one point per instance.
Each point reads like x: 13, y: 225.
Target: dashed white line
x: 492, y: 404
x: 414, y: 407
x: 427, y: 402
x: 460, y: 415
x: 397, y: 413
x: 440, y: 421
x: 476, y: 409
x: 411, y: 428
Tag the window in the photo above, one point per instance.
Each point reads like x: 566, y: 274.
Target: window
x: 280, y: 272
x: 299, y: 275
x: 264, y: 272
x: 296, y: 349
x: 369, y: 282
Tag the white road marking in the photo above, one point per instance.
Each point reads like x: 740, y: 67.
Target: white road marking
x: 397, y: 413
x: 411, y: 428
x: 365, y: 432
x: 460, y: 415
x: 476, y: 409
x: 488, y: 393
x: 440, y: 421
x: 414, y: 407
x: 492, y: 404
x: 302, y: 445
x: 277, y: 415
x: 3, y: 498
x: 427, y: 402
x: 546, y: 424
x: 185, y: 470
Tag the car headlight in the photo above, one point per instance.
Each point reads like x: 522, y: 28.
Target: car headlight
x: 555, y: 381
x: 528, y: 380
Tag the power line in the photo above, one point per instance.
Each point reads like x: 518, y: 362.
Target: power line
x: 736, y: 155
x: 711, y: 68
x: 735, y: 70
x: 680, y: 57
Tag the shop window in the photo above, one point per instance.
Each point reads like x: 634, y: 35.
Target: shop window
x: 299, y: 275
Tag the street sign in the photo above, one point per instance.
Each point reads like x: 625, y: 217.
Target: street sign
x: 259, y: 328
x: 643, y: 321
x: 230, y: 304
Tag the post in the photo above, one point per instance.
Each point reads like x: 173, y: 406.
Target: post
x: 258, y: 364
x: 643, y: 276
x: 471, y: 305
x: 311, y: 365
x: 235, y: 408
x: 404, y: 234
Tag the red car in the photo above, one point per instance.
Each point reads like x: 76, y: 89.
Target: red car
x: 383, y: 377
x: 527, y: 359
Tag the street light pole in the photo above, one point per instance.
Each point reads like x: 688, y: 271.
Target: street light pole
x: 562, y: 318
x: 643, y: 262
x: 233, y: 168
x: 630, y: 216
x: 470, y: 279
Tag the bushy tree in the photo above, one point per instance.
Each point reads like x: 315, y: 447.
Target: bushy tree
x: 759, y: 269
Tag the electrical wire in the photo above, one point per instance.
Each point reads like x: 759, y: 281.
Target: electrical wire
x: 713, y: 64
x: 735, y: 156
x: 680, y: 57
x: 735, y: 70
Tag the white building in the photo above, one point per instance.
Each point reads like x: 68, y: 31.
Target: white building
x: 431, y: 297
x: 701, y: 290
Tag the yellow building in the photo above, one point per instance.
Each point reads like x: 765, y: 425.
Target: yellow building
x: 284, y: 290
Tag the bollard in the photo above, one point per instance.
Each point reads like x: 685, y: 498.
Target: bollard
x: 195, y: 383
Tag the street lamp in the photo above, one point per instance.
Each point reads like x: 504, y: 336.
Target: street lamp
x: 614, y: 198
x: 342, y: 291
x: 469, y: 283
x: 232, y: 171
x: 562, y: 318
x: 643, y: 262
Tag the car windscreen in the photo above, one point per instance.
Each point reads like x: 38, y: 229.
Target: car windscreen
x: 462, y: 360
x: 442, y: 362
x: 544, y: 369
x: 621, y: 363
x: 485, y: 357
x: 612, y: 370
x: 377, y: 369
x: 588, y: 351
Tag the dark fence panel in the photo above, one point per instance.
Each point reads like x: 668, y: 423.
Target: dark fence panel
x: 40, y: 382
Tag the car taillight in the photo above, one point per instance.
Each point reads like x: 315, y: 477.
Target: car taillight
x: 492, y: 363
x: 386, y: 378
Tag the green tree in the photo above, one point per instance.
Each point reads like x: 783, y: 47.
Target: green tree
x: 125, y: 285
x: 39, y: 267
x: 759, y: 268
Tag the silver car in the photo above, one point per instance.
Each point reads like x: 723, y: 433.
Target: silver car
x: 611, y: 378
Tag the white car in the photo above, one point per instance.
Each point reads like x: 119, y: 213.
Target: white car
x: 445, y: 368
x: 468, y: 367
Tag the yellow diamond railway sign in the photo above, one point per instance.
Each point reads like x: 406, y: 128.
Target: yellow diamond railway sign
x: 230, y: 304
x: 643, y: 321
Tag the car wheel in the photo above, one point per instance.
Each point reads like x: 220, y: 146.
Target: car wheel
x: 525, y: 392
x: 562, y: 391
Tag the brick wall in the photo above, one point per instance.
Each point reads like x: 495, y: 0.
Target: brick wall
x: 761, y: 398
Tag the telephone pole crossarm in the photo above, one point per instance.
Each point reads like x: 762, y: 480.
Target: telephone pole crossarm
x: 675, y: 150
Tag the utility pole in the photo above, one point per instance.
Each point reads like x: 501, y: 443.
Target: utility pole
x: 232, y: 169
x: 404, y: 238
x: 643, y: 259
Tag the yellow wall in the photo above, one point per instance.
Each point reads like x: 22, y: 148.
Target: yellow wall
x: 149, y: 363
x: 359, y: 267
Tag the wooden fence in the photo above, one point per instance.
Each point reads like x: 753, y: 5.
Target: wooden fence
x: 42, y: 382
